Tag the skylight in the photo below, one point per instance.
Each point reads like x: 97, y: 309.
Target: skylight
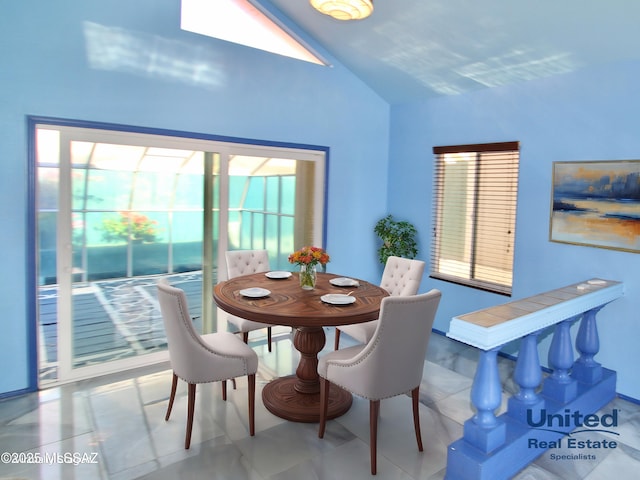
x: 238, y: 21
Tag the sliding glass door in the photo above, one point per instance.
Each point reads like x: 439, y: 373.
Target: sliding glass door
x: 116, y: 210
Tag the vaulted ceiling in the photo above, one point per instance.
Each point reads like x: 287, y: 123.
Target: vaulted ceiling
x: 416, y: 49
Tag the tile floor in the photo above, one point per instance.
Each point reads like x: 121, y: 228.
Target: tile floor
x: 113, y: 428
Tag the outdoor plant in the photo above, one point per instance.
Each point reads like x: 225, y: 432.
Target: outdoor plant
x: 129, y: 225
x: 398, y: 239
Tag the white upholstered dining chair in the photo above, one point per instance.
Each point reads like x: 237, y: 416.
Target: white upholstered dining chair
x: 401, y: 276
x: 199, y: 358
x: 390, y: 364
x: 246, y: 262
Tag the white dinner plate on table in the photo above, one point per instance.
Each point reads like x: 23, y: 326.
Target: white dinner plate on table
x: 278, y: 274
x: 337, y: 299
x: 344, y: 282
x: 255, y: 292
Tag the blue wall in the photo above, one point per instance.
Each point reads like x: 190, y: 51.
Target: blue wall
x: 127, y: 62
x: 586, y: 115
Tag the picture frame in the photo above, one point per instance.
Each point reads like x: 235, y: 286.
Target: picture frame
x: 596, y: 204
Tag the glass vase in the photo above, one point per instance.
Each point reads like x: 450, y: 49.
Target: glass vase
x: 308, y: 277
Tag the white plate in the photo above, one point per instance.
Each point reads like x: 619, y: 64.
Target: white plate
x: 255, y: 292
x: 344, y: 282
x: 337, y: 299
x: 278, y: 274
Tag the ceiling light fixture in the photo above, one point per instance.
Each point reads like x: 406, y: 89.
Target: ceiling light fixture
x: 344, y: 9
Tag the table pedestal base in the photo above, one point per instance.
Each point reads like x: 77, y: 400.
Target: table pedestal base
x: 283, y: 400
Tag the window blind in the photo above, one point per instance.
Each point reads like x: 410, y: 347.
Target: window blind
x: 474, y: 214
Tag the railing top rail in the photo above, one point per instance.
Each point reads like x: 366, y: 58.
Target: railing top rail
x: 493, y: 327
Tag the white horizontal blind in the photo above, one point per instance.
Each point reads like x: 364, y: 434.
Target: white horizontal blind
x: 475, y: 199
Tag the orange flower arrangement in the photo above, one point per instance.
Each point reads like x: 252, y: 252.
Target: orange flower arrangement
x: 309, y: 256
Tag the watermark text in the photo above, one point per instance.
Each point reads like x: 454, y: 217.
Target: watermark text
x: 49, y: 458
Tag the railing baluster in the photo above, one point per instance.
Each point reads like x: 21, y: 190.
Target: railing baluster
x: 528, y: 376
x: 484, y: 430
x: 586, y: 369
x: 560, y: 386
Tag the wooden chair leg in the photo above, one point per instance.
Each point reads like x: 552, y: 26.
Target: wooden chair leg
x: 374, y: 411
x: 224, y: 390
x: 337, y: 340
x: 415, y: 396
x: 269, y: 338
x: 252, y: 404
x: 324, y: 404
x: 245, y: 337
x: 233, y: 382
x: 190, y: 409
x: 172, y: 396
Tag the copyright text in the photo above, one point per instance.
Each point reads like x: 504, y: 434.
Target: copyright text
x: 69, y: 458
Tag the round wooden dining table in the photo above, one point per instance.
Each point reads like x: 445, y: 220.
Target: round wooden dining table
x: 297, y: 397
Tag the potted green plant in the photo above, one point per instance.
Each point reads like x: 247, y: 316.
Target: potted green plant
x: 398, y: 239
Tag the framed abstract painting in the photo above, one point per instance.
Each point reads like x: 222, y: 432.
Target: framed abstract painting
x: 597, y: 204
